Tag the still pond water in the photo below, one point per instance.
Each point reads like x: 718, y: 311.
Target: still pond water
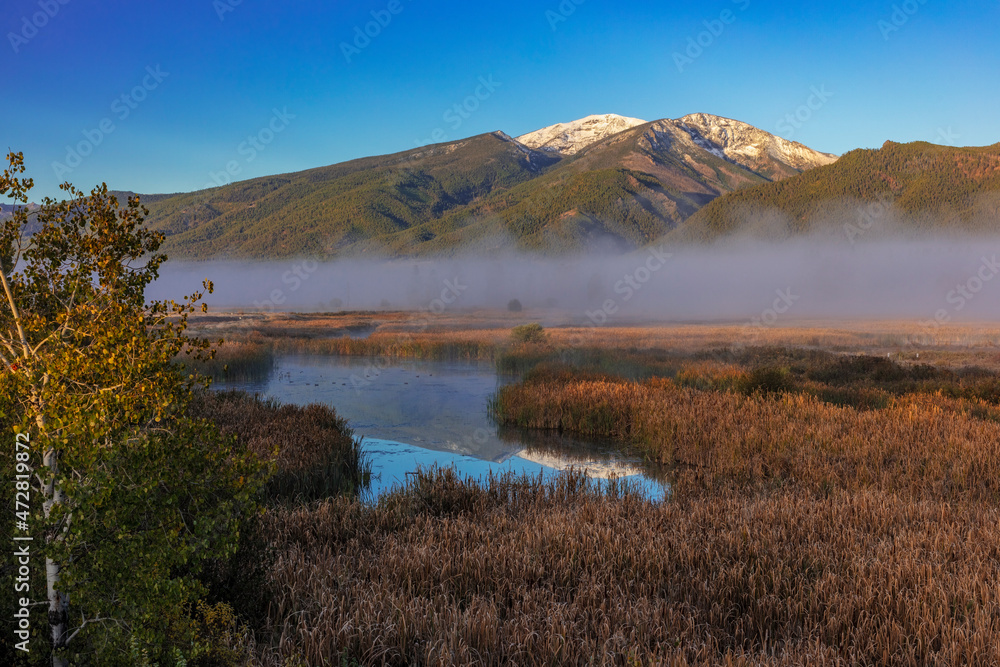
x: 416, y: 414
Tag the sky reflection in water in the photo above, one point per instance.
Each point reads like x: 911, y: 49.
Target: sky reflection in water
x: 413, y: 413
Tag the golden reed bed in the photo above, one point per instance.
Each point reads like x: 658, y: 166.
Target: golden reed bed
x: 450, y: 573
x: 827, y: 508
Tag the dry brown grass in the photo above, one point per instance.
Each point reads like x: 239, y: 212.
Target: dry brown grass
x: 482, y: 344
x: 827, y: 509
x: 312, y: 456
x: 236, y: 360
x: 486, y: 334
x: 924, y: 444
x: 312, y: 449
x: 450, y: 573
x: 859, y: 336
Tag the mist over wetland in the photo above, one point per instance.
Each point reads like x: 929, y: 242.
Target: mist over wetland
x: 421, y: 412
x: 820, y: 277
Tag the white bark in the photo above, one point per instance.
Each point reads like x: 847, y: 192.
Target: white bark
x: 58, y: 602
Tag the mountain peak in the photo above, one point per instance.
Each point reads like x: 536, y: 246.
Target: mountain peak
x: 750, y: 146
x: 603, y: 180
x: 570, y: 138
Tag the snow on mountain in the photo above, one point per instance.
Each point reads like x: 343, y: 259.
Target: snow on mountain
x: 747, y: 145
x: 569, y: 138
x: 732, y: 140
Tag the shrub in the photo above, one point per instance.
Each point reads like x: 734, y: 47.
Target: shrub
x: 529, y: 333
x: 768, y: 380
x: 514, y: 306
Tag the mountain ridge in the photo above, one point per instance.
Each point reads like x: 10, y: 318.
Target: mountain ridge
x: 898, y: 187
x: 618, y: 188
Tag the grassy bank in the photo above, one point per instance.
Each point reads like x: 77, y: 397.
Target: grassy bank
x: 235, y: 360
x: 313, y: 451
x: 252, y: 357
x: 312, y: 456
x: 925, y: 445
x: 405, y: 346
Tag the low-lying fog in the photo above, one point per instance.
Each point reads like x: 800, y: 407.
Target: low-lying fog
x: 916, y: 279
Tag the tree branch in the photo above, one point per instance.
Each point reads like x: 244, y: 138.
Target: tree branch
x: 88, y: 621
x: 15, y: 313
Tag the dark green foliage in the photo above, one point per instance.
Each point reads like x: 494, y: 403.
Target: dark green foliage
x: 925, y: 184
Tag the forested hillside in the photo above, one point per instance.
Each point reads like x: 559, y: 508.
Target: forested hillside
x: 479, y: 194
x: 916, y: 185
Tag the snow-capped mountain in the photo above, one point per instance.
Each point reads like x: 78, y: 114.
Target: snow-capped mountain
x: 732, y: 140
x: 605, y: 181
x: 749, y: 146
x: 570, y: 138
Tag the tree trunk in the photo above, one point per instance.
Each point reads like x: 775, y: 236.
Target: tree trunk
x: 58, y: 602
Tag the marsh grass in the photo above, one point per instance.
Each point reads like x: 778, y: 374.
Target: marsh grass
x: 416, y: 346
x: 827, y: 507
x: 236, y: 361
x: 312, y: 456
x: 924, y: 444
x: 859, y: 380
x: 313, y: 451
x: 517, y: 571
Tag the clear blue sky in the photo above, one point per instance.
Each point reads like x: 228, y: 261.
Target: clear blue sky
x: 229, y: 64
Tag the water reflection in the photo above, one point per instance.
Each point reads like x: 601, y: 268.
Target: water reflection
x: 392, y: 462
x: 415, y: 413
x: 554, y: 450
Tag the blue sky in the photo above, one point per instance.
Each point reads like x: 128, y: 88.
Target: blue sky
x: 168, y: 96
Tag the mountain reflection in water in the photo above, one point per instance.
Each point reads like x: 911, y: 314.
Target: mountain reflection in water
x: 414, y: 413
